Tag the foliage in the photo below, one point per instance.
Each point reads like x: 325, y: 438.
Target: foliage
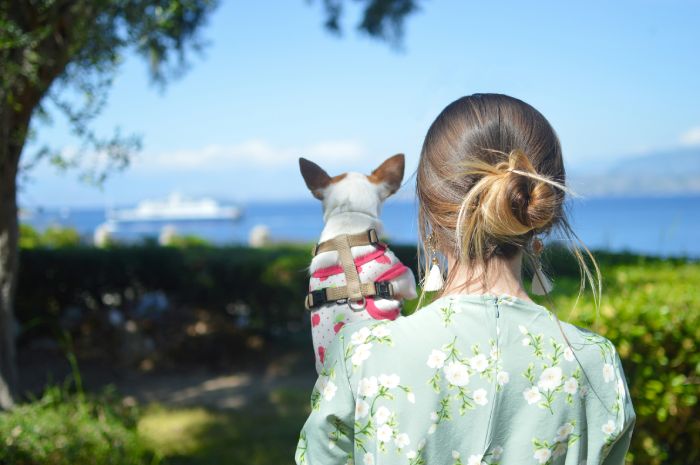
x: 51, y: 237
x: 69, y: 52
x: 650, y: 311
x: 380, y: 18
x: 205, y: 437
x: 67, y: 429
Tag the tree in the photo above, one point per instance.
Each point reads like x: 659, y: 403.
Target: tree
x: 65, y: 53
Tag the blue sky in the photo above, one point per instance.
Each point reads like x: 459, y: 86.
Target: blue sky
x: 615, y: 79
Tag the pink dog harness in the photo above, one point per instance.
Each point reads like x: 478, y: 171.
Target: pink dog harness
x: 378, y: 269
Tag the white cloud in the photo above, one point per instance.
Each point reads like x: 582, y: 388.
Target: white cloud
x: 691, y: 137
x: 255, y: 153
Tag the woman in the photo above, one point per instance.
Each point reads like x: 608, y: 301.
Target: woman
x: 482, y: 375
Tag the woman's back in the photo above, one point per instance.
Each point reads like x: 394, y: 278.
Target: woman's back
x: 469, y: 379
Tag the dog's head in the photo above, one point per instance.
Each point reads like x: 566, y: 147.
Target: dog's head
x: 354, y: 192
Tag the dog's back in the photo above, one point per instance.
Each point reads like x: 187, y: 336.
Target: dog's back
x: 351, y: 204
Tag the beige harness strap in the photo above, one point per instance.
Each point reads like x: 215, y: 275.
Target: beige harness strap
x: 354, y: 290
x: 352, y: 279
x: 364, y: 238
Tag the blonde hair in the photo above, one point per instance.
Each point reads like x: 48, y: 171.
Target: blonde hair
x: 491, y: 177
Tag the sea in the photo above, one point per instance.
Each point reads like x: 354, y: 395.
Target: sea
x: 659, y: 226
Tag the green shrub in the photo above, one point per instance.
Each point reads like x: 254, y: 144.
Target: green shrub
x: 650, y: 310
x: 64, y: 429
x: 51, y: 237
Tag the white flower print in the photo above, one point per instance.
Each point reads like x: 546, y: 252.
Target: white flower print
x: 621, y: 388
x: 360, y: 336
x: 329, y: 390
x: 389, y: 381
x: 368, y: 387
x: 432, y: 428
x: 480, y: 397
x: 434, y: 416
x: 411, y: 454
x: 571, y: 386
x: 494, y: 353
x: 382, y: 415
x: 368, y: 459
x: 361, y: 409
x: 609, y: 428
x: 522, y: 329
x: 532, y: 395
x: 436, y: 359
x: 542, y: 455
x: 362, y: 353
x: 569, y: 355
x: 526, y: 341
x: 331, y: 444
x: 474, y: 459
x: 503, y: 378
x: 411, y: 397
x: 479, y: 363
x: 497, y: 452
x: 402, y: 440
x: 380, y: 331
x: 564, y: 432
x: 550, y: 379
x: 608, y: 372
x: 457, y: 374
x: 384, y: 433
x: 455, y: 454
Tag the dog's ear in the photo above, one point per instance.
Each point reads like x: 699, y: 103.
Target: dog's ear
x: 390, y: 173
x: 315, y: 177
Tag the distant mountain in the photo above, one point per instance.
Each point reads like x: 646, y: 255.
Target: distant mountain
x: 669, y: 172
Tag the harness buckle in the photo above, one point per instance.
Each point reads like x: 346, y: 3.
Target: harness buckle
x: 316, y: 298
x: 384, y: 289
x: 372, y: 236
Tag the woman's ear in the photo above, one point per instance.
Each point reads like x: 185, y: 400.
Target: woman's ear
x: 315, y: 177
x: 390, y: 173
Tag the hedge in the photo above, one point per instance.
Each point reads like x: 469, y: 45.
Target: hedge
x: 650, y: 311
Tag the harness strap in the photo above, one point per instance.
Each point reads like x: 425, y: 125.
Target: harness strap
x: 368, y: 237
x: 347, y: 261
x: 354, y: 290
x: 382, y: 290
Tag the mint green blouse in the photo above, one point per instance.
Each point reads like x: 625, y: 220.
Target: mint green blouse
x: 469, y: 380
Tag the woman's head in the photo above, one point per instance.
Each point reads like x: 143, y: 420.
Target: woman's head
x: 490, y: 177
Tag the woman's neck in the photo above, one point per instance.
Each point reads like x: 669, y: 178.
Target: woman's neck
x: 504, y: 277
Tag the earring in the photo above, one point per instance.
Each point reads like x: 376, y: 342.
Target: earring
x: 434, y: 281
x: 541, y: 285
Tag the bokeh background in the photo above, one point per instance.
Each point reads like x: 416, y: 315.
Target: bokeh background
x: 154, y: 227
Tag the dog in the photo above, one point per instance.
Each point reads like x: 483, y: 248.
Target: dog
x: 352, y: 204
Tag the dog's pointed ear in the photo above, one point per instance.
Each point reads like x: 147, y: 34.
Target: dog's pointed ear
x: 315, y: 177
x: 390, y: 173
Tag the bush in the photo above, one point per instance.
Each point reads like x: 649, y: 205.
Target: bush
x: 64, y: 429
x: 650, y: 310
x: 51, y: 237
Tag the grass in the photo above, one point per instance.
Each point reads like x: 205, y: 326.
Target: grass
x: 264, y: 432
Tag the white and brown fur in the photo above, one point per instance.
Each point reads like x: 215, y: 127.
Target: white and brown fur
x: 352, y: 203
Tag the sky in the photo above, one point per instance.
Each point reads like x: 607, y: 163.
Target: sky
x: 615, y: 79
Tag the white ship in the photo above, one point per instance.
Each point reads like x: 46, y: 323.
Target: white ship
x: 175, y: 208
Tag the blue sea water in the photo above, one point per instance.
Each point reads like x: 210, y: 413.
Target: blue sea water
x: 668, y: 226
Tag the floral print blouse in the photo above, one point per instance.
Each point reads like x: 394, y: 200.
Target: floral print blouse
x: 469, y: 380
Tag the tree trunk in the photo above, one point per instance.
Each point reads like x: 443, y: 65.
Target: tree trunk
x: 9, y: 234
